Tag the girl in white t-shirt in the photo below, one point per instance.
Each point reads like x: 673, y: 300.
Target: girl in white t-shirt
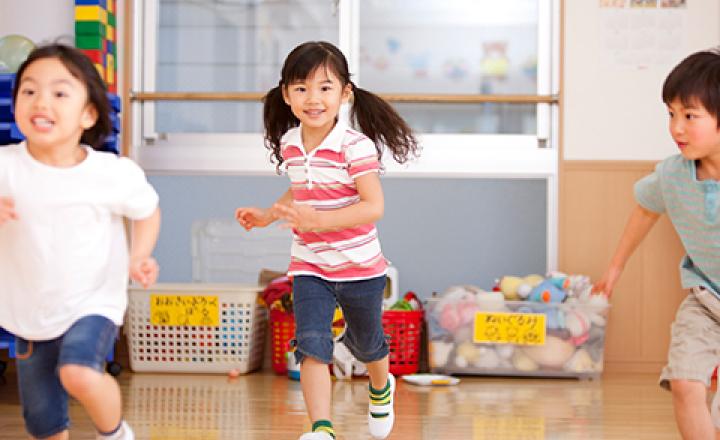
x: 64, y: 259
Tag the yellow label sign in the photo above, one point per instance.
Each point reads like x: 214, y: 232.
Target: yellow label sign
x: 183, y: 310
x: 509, y: 328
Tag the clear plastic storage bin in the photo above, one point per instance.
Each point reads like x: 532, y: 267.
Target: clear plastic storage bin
x: 224, y: 252
x: 196, y: 328
x: 523, y: 339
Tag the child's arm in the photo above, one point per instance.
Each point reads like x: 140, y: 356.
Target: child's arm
x: 252, y: 217
x: 640, y: 222
x: 7, y: 210
x: 143, y: 267
x: 369, y: 209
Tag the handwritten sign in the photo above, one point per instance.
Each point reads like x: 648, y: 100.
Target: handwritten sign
x: 183, y: 310
x: 509, y: 328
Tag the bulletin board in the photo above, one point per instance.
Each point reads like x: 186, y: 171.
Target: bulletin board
x: 616, y: 56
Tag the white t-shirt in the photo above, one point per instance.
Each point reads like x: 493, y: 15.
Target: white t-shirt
x: 66, y: 256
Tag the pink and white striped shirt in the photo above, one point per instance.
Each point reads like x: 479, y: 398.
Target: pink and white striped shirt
x: 324, y: 179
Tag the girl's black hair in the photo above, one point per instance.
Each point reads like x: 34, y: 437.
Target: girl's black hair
x: 375, y: 118
x: 697, y: 77
x: 82, y: 68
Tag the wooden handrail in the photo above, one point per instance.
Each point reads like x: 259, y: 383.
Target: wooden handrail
x: 393, y: 97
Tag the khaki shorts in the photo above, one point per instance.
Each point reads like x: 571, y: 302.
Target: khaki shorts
x: 695, y: 339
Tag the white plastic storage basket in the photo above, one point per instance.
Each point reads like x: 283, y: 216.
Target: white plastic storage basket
x: 195, y: 328
x: 224, y: 252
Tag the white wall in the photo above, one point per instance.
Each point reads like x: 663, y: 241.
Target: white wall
x: 615, y: 61
x: 42, y: 21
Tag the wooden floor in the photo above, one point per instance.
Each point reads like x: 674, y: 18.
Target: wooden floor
x: 262, y: 406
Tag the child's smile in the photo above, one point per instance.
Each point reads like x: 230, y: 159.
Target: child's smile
x: 52, y: 109
x: 316, y: 102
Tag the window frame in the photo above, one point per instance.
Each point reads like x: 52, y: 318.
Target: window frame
x: 444, y: 155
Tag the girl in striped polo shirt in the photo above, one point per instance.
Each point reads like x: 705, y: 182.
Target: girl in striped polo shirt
x: 334, y: 199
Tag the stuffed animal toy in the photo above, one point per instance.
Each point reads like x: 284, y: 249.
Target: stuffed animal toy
x: 466, y: 354
x: 439, y: 351
x: 580, y: 362
x: 553, y: 354
x: 487, y: 358
x: 509, y: 286
x: 547, y: 292
x: 522, y: 362
x: 529, y: 283
x: 457, y: 307
x: 573, y: 285
x: 491, y: 302
x: 515, y: 288
x: 578, y: 324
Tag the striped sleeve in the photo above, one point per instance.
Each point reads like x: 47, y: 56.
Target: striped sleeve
x: 361, y: 157
x: 648, y: 192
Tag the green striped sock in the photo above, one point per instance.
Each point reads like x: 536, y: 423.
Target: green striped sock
x: 324, y: 426
x: 379, y: 398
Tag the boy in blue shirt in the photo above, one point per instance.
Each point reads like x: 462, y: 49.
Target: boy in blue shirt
x: 686, y: 186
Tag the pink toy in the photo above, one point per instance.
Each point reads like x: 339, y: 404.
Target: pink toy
x: 457, y: 307
x: 578, y: 324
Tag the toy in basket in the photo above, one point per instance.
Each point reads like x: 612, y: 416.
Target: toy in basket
x: 195, y: 328
x: 558, y: 331
x: 403, y: 325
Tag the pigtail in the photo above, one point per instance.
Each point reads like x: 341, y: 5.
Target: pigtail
x: 379, y: 121
x: 278, y: 119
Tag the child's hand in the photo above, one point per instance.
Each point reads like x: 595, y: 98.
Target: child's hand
x: 7, y: 210
x: 607, y: 282
x: 300, y: 217
x: 251, y: 217
x: 144, y: 270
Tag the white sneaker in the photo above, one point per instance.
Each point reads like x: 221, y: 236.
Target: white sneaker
x: 380, y: 427
x: 123, y: 433
x: 319, y: 435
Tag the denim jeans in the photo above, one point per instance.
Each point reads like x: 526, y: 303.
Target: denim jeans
x: 44, y: 400
x: 314, y: 301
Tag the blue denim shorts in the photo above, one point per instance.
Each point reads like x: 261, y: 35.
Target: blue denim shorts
x: 314, y: 301
x: 44, y: 400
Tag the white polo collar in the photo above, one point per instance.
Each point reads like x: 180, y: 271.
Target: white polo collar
x: 333, y: 141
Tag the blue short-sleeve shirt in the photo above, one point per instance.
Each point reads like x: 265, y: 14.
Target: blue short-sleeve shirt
x: 692, y: 206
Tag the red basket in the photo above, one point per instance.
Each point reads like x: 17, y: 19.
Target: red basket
x: 282, y: 330
x: 404, y: 329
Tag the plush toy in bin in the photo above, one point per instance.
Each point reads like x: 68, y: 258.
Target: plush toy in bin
x: 515, y: 288
x: 547, y: 292
x: 574, y: 327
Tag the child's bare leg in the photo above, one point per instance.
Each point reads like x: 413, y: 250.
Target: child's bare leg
x: 316, y: 387
x: 691, y: 412
x: 98, y: 393
x: 378, y: 372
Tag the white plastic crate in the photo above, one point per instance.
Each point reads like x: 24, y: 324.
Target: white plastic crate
x: 224, y: 328
x: 224, y: 252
